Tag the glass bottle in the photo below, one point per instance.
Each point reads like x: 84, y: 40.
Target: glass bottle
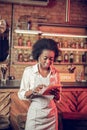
x: 20, y: 56
x: 71, y: 57
x: 77, y: 57
x: 28, y: 42
x: 84, y: 57
x: 85, y: 45
x: 66, y: 57
x: 29, y: 24
x: 20, y: 41
x: 30, y: 57
x: 59, y: 59
x: 82, y: 44
x: 26, y: 56
x: 77, y: 45
x: 65, y: 44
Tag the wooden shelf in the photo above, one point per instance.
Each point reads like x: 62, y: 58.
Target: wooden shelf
x: 62, y: 49
x: 48, y: 34
x: 25, y: 63
x: 72, y: 49
x: 63, y: 35
x: 23, y: 47
x: 64, y: 63
x: 55, y: 63
x: 27, y: 31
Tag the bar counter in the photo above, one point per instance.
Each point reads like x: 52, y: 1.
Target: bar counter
x: 16, y: 84
x: 73, y: 103
x: 10, y: 84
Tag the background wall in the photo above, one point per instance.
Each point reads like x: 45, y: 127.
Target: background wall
x: 55, y: 13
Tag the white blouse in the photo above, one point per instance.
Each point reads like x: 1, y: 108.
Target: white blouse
x: 30, y: 79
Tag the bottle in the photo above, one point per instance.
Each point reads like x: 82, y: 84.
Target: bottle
x: 28, y: 42
x: 73, y: 45
x: 77, y: 45
x: 20, y: 41
x: 29, y: 25
x: 82, y: 44
x: 30, y: 57
x: 84, y: 57
x: 58, y: 44
x: 20, y: 56
x: 66, y: 57
x: 59, y: 59
x: 71, y: 68
x: 26, y: 56
x: 65, y: 44
x: 77, y: 57
x: 85, y: 45
x: 71, y: 57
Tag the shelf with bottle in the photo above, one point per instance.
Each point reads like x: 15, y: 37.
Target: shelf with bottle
x: 23, y: 39
x: 72, y: 57
x: 74, y: 43
x: 68, y: 63
x: 73, y: 49
x: 22, y: 42
x: 68, y: 41
x: 22, y: 47
x: 22, y: 56
x: 85, y: 70
x: 24, y: 63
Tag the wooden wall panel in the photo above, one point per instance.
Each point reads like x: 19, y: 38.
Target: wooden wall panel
x: 5, y: 103
x: 73, y: 104
x: 18, y: 111
x: 73, y: 101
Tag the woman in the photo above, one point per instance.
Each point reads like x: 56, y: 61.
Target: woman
x: 42, y: 113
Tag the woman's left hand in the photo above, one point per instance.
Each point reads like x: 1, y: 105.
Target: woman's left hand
x: 56, y: 93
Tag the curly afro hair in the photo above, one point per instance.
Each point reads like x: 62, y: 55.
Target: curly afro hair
x: 44, y: 44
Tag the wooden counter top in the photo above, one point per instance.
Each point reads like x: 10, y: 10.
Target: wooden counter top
x: 74, y: 84
x: 10, y: 84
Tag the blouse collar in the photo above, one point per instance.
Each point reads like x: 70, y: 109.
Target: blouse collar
x: 35, y: 68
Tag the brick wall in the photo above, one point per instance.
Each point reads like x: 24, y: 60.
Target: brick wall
x: 53, y: 13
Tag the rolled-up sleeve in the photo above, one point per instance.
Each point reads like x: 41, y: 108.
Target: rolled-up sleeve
x: 25, y: 84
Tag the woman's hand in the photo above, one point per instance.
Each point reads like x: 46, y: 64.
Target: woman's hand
x: 38, y: 88
x: 34, y: 91
x: 56, y: 93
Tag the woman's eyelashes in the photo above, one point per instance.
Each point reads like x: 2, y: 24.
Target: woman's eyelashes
x: 50, y: 58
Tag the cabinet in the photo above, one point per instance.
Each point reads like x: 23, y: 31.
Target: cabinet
x: 67, y: 43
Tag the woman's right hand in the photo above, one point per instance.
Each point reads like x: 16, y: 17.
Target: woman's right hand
x: 34, y: 91
x: 38, y: 88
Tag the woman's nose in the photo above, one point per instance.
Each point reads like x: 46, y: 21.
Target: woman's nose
x: 48, y: 60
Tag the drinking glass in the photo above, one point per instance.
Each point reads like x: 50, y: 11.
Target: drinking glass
x: 3, y: 73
